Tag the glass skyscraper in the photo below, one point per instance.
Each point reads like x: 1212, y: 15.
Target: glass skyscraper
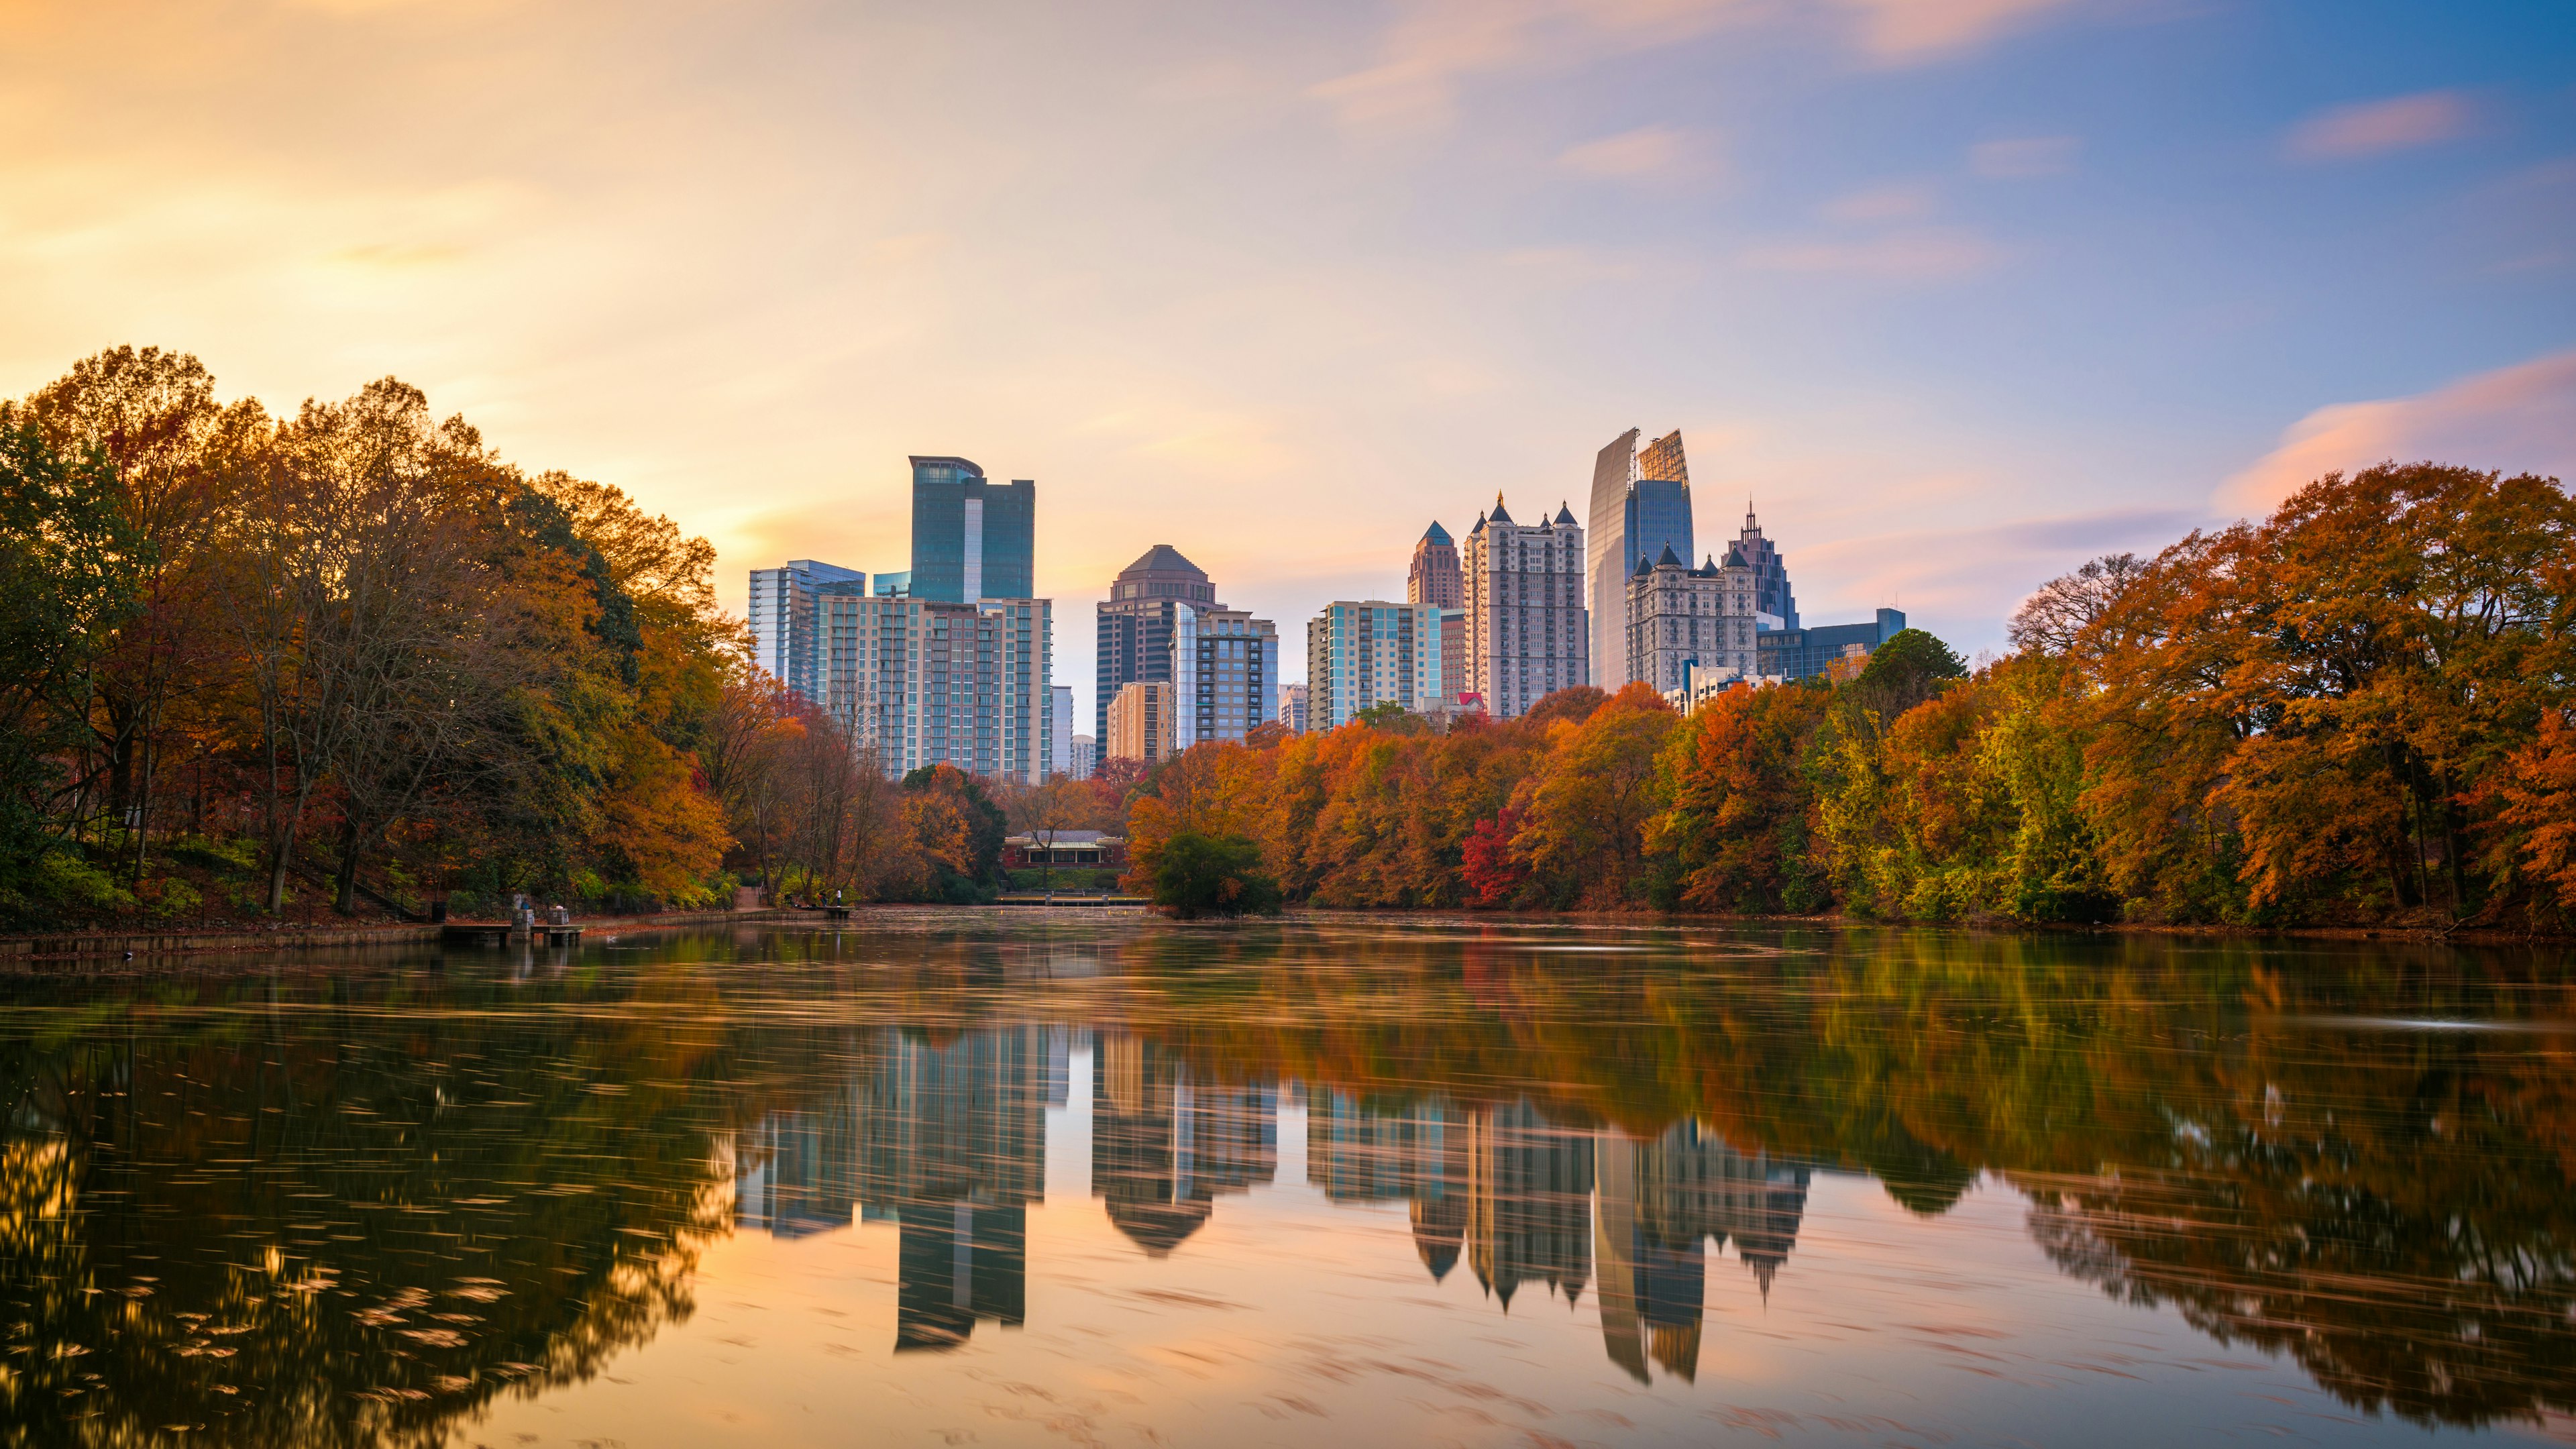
x: 1640, y: 505
x: 972, y: 538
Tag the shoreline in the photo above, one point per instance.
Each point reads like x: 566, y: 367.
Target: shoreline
x: 120, y: 945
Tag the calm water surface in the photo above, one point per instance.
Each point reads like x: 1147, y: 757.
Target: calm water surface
x: 983, y: 1179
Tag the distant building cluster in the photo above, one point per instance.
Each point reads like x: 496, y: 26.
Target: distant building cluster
x: 950, y: 661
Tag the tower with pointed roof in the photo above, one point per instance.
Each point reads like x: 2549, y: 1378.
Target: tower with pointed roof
x: 1689, y: 627
x: 1436, y: 579
x: 1526, y: 631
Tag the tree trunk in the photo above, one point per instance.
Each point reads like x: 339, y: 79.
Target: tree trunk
x: 280, y: 846
x: 345, y: 887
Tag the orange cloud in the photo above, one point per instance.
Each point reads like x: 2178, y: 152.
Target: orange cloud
x: 2513, y: 419
x: 2378, y: 127
x: 1903, y: 31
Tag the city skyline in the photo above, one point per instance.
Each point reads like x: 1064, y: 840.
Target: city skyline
x: 1950, y: 288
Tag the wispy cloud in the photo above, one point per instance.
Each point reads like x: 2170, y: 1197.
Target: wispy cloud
x: 2515, y: 419
x: 1897, y: 201
x: 1645, y: 153
x: 1914, y: 254
x: 2375, y: 128
x: 2020, y: 158
x: 1438, y: 44
x: 1910, y: 31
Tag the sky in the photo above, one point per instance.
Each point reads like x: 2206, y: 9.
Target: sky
x: 1958, y: 293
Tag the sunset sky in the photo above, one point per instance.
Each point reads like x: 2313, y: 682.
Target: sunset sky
x: 1960, y: 292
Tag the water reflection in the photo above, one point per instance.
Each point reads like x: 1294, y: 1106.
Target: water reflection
x: 372, y: 1207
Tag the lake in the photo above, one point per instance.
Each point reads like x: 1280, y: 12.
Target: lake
x: 982, y: 1178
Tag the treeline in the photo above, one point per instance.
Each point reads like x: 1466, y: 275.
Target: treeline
x: 2355, y: 711
x: 251, y: 664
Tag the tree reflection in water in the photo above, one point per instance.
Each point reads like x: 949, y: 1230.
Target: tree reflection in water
x: 354, y: 1209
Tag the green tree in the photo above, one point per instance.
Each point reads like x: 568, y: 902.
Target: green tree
x: 1196, y: 875
x: 71, y: 563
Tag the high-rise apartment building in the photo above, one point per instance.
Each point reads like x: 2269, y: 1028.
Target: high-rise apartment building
x: 1060, y: 743
x: 788, y: 637
x: 1140, y: 721
x: 1292, y: 708
x: 1086, y: 757
x: 919, y: 682
x: 1682, y: 618
x: 1640, y: 506
x: 1363, y: 652
x: 1225, y: 667
x: 971, y: 538
x: 1527, y: 634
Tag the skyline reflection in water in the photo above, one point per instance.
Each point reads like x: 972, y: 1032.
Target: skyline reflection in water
x: 1334, y: 1180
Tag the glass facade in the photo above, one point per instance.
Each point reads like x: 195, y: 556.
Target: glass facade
x: 1659, y: 517
x: 1805, y: 653
x: 972, y: 538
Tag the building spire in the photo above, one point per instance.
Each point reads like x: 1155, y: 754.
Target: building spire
x: 1749, y: 525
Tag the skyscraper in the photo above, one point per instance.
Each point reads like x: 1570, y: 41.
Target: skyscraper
x: 789, y: 636
x: 1292, y: 707
x: 1364, y: 652
x: 1434, y: 578
x: 971, y: 538
x: 1526, y: 635
x: 1771, y: 593
x: 1136, y: 622
x: 1640, y: 506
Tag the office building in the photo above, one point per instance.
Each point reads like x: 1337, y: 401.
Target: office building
x: 1225, y: 669
x: 1060, y: 742
x: 1686, y: 623
x: 972, y: 538
x: 1292, y: 707
x: 1140, y: 721
x: 1086, y: 757
x: 1434, y: 577
x: 1364, y: 652
x: 789, y: 637
x: 1795, y: 653
x: 1640, y: 506
x: 1527, y: 634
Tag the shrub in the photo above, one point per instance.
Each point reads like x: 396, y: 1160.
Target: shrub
x: 1195, y: 875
